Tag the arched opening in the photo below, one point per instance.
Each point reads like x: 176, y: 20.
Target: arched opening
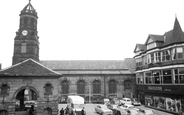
x: 3, y: 112
x: 25, y: 98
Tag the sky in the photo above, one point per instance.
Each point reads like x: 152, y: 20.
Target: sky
x: 89, y: 29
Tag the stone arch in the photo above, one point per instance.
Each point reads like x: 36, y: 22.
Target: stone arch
x: 24, y: 87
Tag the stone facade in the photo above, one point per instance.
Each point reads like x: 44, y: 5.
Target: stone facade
x: 50, y: 82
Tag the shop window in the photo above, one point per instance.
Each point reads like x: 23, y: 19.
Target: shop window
x: 96, y: 87
x: 181, y: 75
x: 112, y: 86
x: 176, y: 76
x: 167, y: 77
x: 80, y: 87
x: 65, y: 87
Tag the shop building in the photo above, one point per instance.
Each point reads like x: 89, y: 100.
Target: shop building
x: 160, y: 70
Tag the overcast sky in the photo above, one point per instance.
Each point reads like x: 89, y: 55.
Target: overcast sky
x: 89, y: 29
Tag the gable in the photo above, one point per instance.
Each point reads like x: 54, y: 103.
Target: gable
x: 137, y: 49
x: 28, y: 67
x: 150, y: 40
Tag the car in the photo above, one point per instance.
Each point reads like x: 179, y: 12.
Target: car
x: 127, y: 106
x: 126, y: 101
x: 135, y: 102
x: 132, y: 112
x: 146, y: 112
x: 119, y: 111
x: 29, y: 103
x: 111, y: 106
x: 103, y: 110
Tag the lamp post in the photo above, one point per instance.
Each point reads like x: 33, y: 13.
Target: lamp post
x: 89, y: 93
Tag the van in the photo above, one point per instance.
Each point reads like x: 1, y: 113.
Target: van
x: 75, y: 103
x: 126, y: 101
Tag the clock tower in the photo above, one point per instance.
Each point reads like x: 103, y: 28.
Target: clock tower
x: 26, y: 43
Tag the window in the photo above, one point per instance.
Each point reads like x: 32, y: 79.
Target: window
x: 148, y: 59
x: 4, y: 89
x: 23, y: 48
x: 166, y: 55
x: 80, y: 87
x: 156, y: 77
x: 177, y: 53
x: 48, y: 88
x: 167, y: 77
x: 26, y: 20
x: 127, y: 84
x: 151, y: 45
x: 140, y: 79
x: 96, y: 87
x: 65, y: 87
x: 112, y: 86
x: 148, y: 78
x: 176, y: 76
x: 181, y: 75
x: 158, y: 57
x: 139, y: 62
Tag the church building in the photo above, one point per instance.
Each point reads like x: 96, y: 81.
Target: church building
x: 47, y: 83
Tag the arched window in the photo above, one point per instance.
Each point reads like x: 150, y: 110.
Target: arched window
x: 65, y: 87
x: 23, y: 48
x: 112, y: 86
x: 26, y: 20
x: 4, y: 89
x: 96, y: 87
x: 48, y: 89
x: 127, y: 84
x: 80, y: 87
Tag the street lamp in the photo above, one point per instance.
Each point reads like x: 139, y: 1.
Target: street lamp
x: 89, y: 93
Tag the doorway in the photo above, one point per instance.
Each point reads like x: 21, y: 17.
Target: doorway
x: 25, y: 98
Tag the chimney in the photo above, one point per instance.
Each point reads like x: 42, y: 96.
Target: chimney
x: 0, y: 66
x: 164, y: 38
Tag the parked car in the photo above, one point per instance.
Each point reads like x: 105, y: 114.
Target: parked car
x: 135, y: 102
x: 146, y: 112
x: 103, y: 110
x: 126, y: 101
x: 132, y: 112
x: 119, y: 111
x: 29, y: 103
x: 127, y: 106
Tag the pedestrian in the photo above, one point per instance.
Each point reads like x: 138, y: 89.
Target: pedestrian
x: 31, y: 110
x: 83, y: 111
x: 62, y: 111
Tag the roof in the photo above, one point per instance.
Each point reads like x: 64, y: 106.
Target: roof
x: 174, y: 36
x: 29, y: 9
x: 142, y: 47
x: 85, y: 64
x: 91, y: 66
x: 157, y: 37
x: 28, y: 67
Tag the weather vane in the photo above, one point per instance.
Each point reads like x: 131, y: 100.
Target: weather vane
x: 29, y: 1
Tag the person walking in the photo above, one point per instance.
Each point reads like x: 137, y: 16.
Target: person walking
x: 83, y: 111
x: 62, y: 111
x: 31, y: 110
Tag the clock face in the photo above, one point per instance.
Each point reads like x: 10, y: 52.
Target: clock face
x: 24, y: 32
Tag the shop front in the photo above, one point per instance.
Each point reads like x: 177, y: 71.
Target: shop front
x: 165, y: 97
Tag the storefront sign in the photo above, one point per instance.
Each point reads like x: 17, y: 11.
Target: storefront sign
x: 154, y: 88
